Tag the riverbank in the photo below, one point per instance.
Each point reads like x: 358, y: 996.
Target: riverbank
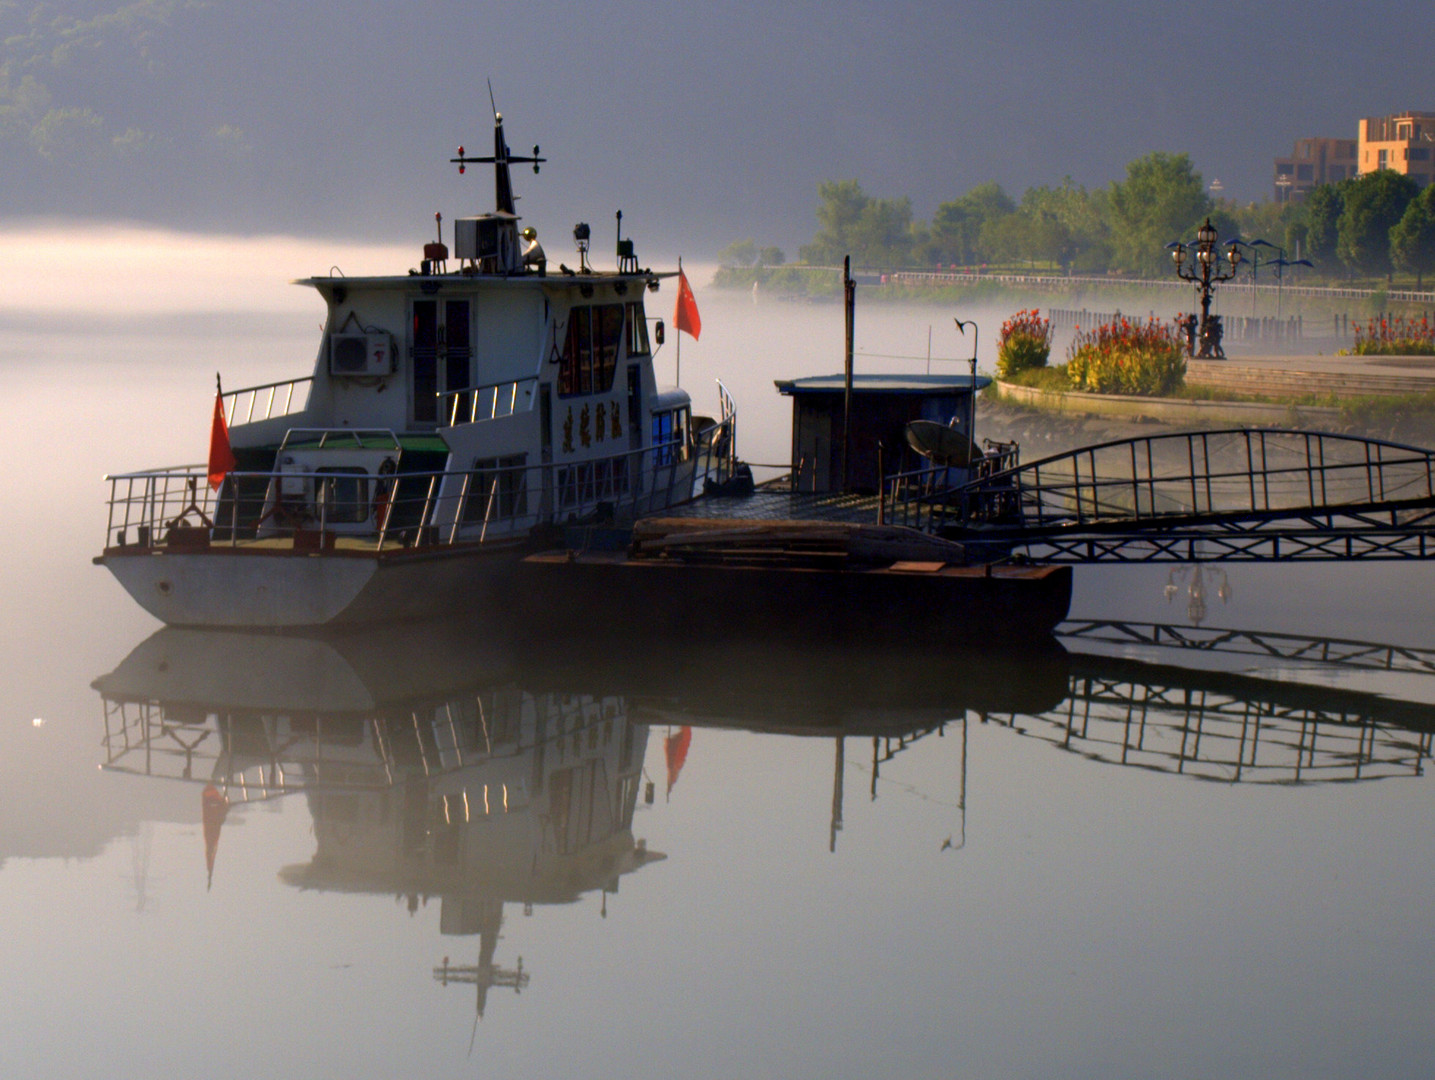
x: 1165, y: 295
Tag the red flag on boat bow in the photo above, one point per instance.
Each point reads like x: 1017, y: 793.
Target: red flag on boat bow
x: 685, y: 315
x: 215, y: 808
x: 221, y: 457
x: 675, y: 749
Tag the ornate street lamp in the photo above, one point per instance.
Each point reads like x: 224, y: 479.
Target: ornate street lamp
x: 1206, y: 274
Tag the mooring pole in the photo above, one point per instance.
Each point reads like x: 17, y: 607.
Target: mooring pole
x: 849, y: 301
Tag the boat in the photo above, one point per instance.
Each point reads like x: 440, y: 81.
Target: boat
x: 456, y: 415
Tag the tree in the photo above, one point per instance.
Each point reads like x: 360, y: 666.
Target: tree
x: 955, y: 235
x: 1322, y: 210
x: 1374, y: 204
x: 875, y: 232
x: 882, y: 235
x: 1065, y: 225
x: 840, y: 204
x: 1412, y: 241
x: 738, y: 253
x: 771, y: 256
x: 1161, y: 199
x: 1005, y: 238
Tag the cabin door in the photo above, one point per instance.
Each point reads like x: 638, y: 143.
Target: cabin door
x: 440, y: 355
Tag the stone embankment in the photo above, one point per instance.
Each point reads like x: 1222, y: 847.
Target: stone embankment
x: 1298, y: 376
x: 1283, y: 379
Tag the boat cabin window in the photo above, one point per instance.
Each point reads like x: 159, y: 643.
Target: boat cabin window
x: 498, y: 489
x: 668, y: 432
x: 590, y: 351
x: 342, y: 495
x: 637, y: 330
x: 591, y: 482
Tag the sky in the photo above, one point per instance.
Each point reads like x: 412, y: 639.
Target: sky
x: 703, y: 123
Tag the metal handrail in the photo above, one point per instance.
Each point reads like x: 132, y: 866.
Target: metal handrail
x: 287, y: 386
x: 351, y: 435
x: 502, y: 400
x: 151, y: 509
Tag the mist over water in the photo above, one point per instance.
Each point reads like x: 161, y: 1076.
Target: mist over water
x: 1091, y: 863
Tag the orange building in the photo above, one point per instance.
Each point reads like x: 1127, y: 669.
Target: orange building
x: 1313, y: 162
x: 1404, y: 143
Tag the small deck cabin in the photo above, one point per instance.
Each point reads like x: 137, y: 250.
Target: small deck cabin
x: 882, y: 407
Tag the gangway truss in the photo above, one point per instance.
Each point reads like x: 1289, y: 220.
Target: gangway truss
x: 1236, y: 494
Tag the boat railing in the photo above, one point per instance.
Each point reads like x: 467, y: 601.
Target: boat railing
x: 342, y: 439
x: 933, y: 496
x: 338, y: 509
x: 489, y: 402
x: 266, y: 401
x: 716, y: 445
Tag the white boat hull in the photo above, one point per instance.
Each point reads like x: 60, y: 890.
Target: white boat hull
x: 230, y: 589
x: 223, y: 589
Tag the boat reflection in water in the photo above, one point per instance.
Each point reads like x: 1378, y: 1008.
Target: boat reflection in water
x: 436, y: 765
x: 428, y: 772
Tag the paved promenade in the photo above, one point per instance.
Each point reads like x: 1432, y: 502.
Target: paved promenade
x: 1294, y: 376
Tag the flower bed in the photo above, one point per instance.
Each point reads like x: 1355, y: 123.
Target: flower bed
x: 1123, y: 357
x: 1024, y: 343
x: 1396, y: 336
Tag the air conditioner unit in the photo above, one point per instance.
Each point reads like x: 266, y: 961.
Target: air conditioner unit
x: 361, y: 354
x: 477, y: 237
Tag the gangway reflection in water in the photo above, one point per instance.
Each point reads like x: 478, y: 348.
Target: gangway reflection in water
x: 1163, y: 715
x: 436, y: 765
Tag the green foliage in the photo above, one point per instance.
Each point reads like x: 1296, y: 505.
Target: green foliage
x: 1412, y: 241
x: 1024, y: 342
x: 1374, y: 204
x: 1160, y: 200
x: 1357, y: 224
x: 1267, y: 220
x: 1297, y: 235
x: 1322, y: 210
x: 68, y: 132
x: 1055, y: 379
x: 1128, y: 358
x: 742, y: 254
x: 738, y: 253
x: 967, y: 231
x: 875, y: 232
x: 1408, y: 418
x: 1066, y: 225
x: 50, y: 62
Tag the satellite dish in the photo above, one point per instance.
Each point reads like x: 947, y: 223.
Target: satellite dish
x: 941, y: 444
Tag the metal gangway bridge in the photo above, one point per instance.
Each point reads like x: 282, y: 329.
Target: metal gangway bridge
x: 1237, y: 494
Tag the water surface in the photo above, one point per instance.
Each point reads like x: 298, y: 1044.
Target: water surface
x: 655, y: 858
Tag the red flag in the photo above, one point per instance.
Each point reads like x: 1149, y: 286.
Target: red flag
x: 221, y: 457
x: 675, y: 749
x: 215, y: 808
x: 685, y: 315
